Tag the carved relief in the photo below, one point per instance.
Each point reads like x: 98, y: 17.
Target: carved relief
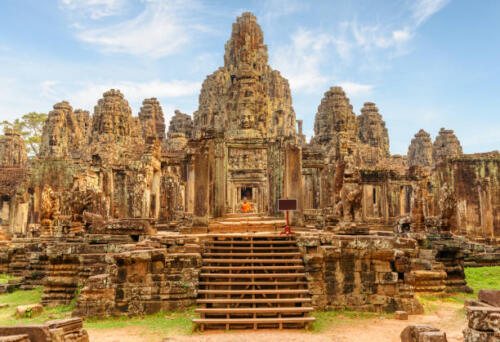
x: 247, y: 159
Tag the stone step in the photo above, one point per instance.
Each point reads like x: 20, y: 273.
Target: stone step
x: 253, y: 320
x: 255, y: 310
x: 251, y: 268
x: 254, y: 292
x: 253, y: 300
x: 254, y: 283
x: 252, y: 255
x: 279, y: 248
x: 252, y: 275
x: 252, y: 261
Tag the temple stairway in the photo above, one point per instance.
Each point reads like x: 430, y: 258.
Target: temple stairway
x: 252, y: 282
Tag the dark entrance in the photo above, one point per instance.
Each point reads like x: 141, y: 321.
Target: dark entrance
x: 247, y: 193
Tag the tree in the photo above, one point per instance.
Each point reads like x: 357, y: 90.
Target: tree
x: 30, y: 127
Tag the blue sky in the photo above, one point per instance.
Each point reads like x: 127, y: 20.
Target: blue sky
x: 425, y: 63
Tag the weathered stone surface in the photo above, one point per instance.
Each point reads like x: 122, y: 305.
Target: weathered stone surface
x: 335, y: 122
x: 179, y: 131
x: 421, y: 333
x: 483, y: 318
x: 401, y: 315
x: 420, y: 150
x: 471, y: 335
x: 152, y: 119
x: 64, y: 330
x: 65, y: 132
x: 245, y: 97
x: 30, y: 310
x: 445, y: 145
x: 12, y: 150
x: 372, y: 130
x: 491, y: 297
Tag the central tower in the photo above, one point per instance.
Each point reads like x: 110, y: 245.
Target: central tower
x: 245, y: 123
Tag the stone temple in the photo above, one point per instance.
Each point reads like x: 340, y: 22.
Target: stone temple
x: 142, y: 218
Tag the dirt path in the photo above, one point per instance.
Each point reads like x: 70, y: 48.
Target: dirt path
x: 448, y: 317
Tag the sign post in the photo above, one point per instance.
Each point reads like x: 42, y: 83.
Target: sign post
x: 286, y: 205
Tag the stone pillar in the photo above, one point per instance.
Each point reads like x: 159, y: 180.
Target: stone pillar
x: 486, y: 209
x: 201, y: 186
x: 293, y: 182
x: 219, y: 179
x: 190, y: 196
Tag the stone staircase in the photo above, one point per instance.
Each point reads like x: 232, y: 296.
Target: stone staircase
x: 252, y: 282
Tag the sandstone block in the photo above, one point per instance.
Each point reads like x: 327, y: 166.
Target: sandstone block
x: 483, y: 318
x: 421, y: 333
x: 491, y: 297
x: 30, y: 310
x: 401, y: 315
x: 471, y: 335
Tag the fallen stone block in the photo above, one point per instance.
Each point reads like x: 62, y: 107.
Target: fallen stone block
x: 422, y: 333
x: 483, y: 318
x: 471, y: 335
x: 30, y: 310
x: 491, y: 297
x: 401, y: 315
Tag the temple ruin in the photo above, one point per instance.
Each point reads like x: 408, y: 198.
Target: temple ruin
x: 143, y: 219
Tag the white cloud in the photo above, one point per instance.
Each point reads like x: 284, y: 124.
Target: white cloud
x: 354, y: 89
x: 95, y: 9
x: 300, y: 63
x: 161, y: 29
x: 401, y: 35
x: 134, y: 92
x: 48, y: 88
x: 278, y: 8
x: 423, y: 9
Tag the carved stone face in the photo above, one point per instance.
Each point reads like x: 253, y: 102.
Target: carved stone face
x: 246, y: 120
x: 107, y: 124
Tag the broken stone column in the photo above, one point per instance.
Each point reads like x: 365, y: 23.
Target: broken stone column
x: 422, y: 333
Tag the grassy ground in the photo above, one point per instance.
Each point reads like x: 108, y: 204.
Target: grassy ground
x: 16, y: 298
x: 477, y: 278
x: 324, y: 319
x: 179, y: 323
x: 165, y: 323
x: 4, y: 278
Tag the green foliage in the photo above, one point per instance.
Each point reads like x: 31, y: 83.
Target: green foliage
x: 30, y: 127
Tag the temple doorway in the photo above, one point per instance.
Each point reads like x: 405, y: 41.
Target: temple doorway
x: 246, y: 193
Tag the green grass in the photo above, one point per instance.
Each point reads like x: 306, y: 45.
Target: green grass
x: 170, y: 323
x: 325, y: 319
x: 4, y: 278
x: 483, y: 278
x: 477, y: 278
x: 16, y: 298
